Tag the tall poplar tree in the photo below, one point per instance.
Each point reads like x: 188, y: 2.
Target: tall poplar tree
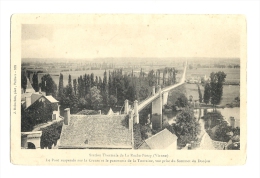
x: 35, y: 83
x: 216, y: 84
x: 60, y: 90
x: 206, y: 97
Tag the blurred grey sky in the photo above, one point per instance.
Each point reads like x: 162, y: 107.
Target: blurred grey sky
x: 134, y: 36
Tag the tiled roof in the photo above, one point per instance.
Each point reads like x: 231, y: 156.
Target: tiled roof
x: 96, y: 131
x: 161, y: 140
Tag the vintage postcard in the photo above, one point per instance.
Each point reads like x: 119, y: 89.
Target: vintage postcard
x: 128, y: 89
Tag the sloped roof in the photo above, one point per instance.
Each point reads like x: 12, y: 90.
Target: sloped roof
x: 161, y: 140
x: 35, y: 97
x: 51, y: 99
x: 96, y: 131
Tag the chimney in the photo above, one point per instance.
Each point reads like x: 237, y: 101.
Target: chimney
x: 53, y: 117
x: 136, y: 120
x: 40, y: 90
x: 66, y: 116
x: 232, y: 122
x: 126, y: 107
x: 28, y: 101
x: 153, y: 90
x: 99, y: 112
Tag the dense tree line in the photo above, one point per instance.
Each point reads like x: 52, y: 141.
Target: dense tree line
x: 90, y: 92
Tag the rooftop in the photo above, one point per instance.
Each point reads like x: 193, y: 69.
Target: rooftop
x: 161, y: 140
x: 96, y: 131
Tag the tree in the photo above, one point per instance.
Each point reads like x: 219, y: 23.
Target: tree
x: 48, y: 85
x: 35, y: 83
x: 94, y: 98
x: 143, y: 93
x: 207, y: 92
x: 151, y: 78
x: 216, y: 85
x: 112, y: 100
x: 110, y: 84
x: 82, y: 104
x: 221, y: 132
x: 73, y: 102
x: 60, y: 90
x: 186, y: 127
x: 69, y: 89
x: 105, y: 89
x: 50, y: 135
x: 75, y: 86
x: 182, y: 101
x: 27, y: 121
x: 200, y: 95
x: 23, y: 80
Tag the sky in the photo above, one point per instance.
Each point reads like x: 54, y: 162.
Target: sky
x: 134, y: 36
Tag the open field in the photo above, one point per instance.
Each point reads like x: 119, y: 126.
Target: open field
x: 74, y: 75
x: 233, y: 74
x: 229, y: 92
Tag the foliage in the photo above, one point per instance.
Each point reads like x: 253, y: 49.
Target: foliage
x: 186, y: 127
x: 146, y: 132
x: 50, y: 135
x: 75, y: 87
x: 35, y: 83
x: 207, y: 94
x: 143, y: 93
x: 182, y: 101
x: 200, y: 95
x: 60, y: 90
x: 212, y: 119
x: 27, y: 121
x: 88, y: 112
x: 112, y: 100
x: 82, y: 104
x: 137, y: 135
x: 143, y: 119
x: 23, y: 80
x: 48, y: 85
x: 216, y: 84
x: 221, y: 132
x: 94, y: 98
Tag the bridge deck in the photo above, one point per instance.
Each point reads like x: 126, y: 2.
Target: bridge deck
x: 147, y: 101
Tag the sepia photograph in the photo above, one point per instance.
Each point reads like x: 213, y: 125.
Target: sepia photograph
x: 164, y: 89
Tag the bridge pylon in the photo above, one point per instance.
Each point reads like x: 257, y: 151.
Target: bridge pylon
x: 136, y: 114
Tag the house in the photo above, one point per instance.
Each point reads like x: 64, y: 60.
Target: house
x: 30, y: 101
x: 162, y: 140
x: 96, y: 132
